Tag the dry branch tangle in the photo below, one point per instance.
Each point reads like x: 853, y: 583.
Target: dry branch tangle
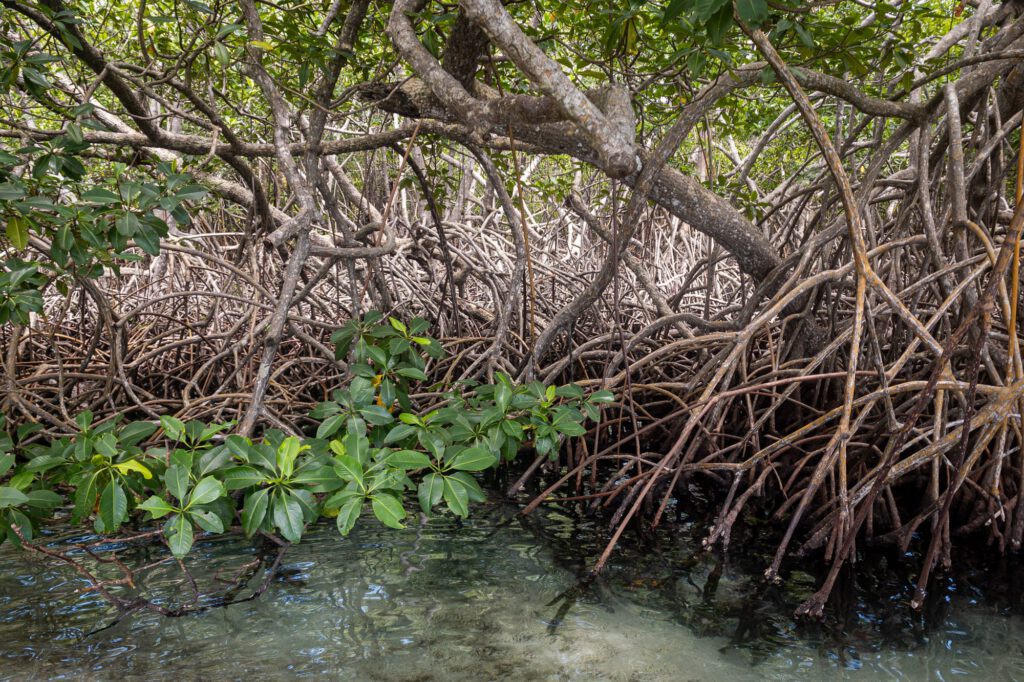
x: 712, y: 366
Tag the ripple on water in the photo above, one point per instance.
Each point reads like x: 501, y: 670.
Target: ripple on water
x: 468, y: 602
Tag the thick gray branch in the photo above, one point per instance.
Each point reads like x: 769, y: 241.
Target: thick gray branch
x: 615, y: 148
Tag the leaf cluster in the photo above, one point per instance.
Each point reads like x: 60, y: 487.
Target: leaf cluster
x: 372, y: 451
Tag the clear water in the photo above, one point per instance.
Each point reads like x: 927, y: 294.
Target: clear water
x: 480, y: 602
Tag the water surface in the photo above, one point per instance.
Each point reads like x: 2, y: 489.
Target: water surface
x: 479, y: 601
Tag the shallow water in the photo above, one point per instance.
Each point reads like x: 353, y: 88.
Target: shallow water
x: 481, y: 602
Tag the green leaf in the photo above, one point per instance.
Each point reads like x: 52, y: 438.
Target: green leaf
x: 255, y: 511
x: 388, y: 392
x: 502, y: 397
x: 398, y: 346
x: 10, y: 191
x: 213, y: 460
x: 434, y: 349
x: 568, y: 421
x: 571, y: 391
x: 17, y: 231
x: 408, y: 459
x: 10, y: 497
x: 134, y: 465
x: 705, y: 9
x: 288, y: 517
x: 674, y: 9
x: 21, y: 480
x: 238, y: 446
x: 237, y: 478
x: 136, y: 432
x: 113, y: 506
x: 264, y: 455
x: 44, y: 499
x: 389, y: 510
x: 399, y: 432
x: 210, y: 430
x: 342, y: 340
x: 335, y: 501
x: 330, y: 426
x: 85, y: 497
x: 325, y: 409
x: 176, y: 478
x: 473, y: 489
x: 157, y: 506
x: 173, y: 427
x: 804, y: 36
x: 432, y: 443
x: 222, y: 54
x: 418, y: 325
x: 753, y: 12
x: 429, y: 491
x: 183, y: 458
x: 349, y: 514
x: 570, y: 428
x: 321, y: 479
x: 148, y: 240
x: 45, y: 463
x: 228, y: 29
x: 412, y: 373
x: 308, y: 503
x: 512, y: 428
x: 6, y: 462
x: 99, y: 195
x: 355, y: 427
x: 376, y: 415
x: 349, y: 468
x: 474, y: 459
x: 192, y: 193
x: 128, y: 225
x: 208, y: 521
x: 457, y: 497
x: 206, y: 491
x: 379, y: 356
x: 106, y: 445
x: 362, y: 392
x: 719, y: 24
x: 83, y: 419
x: 22, y: 521
x: 178, y: 531
x: 64, y: 240
x: 287, y: 453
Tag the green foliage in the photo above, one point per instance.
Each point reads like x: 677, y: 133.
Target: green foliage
x: 82, y: 207
x: 23, y: 500
x: 83, y: 227
x: 372, y: 451
x: 80, y: 215
x: 21, y: 285
x: 386, y: 356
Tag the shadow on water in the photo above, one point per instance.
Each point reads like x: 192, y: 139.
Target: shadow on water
x: 970, y: 622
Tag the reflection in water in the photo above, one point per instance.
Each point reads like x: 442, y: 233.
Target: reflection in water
x: 486, y: 601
